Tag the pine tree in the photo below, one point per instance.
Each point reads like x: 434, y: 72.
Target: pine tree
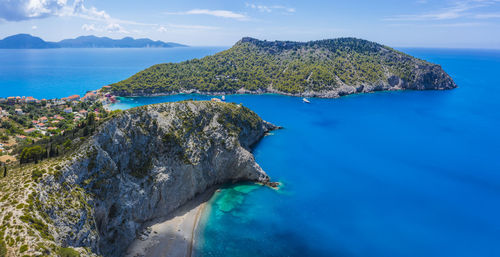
x: 4, y: 170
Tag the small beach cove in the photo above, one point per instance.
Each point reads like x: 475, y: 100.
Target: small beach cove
x: 407, y: 173
x: 171, y: 236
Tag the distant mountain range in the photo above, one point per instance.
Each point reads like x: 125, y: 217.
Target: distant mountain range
x: 26, y: 41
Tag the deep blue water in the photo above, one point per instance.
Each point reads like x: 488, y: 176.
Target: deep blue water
x: 386, y: 174
x: 57, y: 73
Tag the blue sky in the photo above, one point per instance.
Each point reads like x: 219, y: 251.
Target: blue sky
x: 403, y: 23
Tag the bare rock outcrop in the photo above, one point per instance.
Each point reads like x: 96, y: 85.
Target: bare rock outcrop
x: 145, y: 163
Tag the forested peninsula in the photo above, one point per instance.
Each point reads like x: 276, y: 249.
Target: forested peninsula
x: 326, y: 68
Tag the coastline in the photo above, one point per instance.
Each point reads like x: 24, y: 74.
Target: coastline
x: 341, y: 91
x: 172, y: 236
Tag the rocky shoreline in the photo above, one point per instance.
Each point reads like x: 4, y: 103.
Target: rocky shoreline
x: 145, y: 164
x: 344, y: 90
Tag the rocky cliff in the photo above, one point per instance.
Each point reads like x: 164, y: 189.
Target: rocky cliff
x: 142, y: 165
x: 325, y: 68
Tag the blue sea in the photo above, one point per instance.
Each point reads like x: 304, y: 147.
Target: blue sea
x: 411, y: 173
x: 57, y: 73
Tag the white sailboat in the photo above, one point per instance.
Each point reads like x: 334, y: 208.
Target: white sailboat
x: 223, y: 98
x: 306, y: 101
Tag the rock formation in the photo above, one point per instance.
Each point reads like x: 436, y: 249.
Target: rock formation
x: 145, y: 163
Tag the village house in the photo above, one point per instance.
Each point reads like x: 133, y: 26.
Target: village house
x: 58, y: 117
x: 19, y: 111
x: 43, y: 119
x: 68, y: 110
x: 30, y: 100
x: 73, y: 98
x: 90, y: 96
x: 11, y: 100
x: 29, y: 131
x: 58, y: 101
x: 83, y: 112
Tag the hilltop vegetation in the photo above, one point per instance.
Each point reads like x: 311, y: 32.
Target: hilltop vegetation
x: 328, y: 68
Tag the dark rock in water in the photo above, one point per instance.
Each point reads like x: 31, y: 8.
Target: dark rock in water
x: 273, y: 184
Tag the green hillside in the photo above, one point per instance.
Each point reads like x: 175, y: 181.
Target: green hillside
x: 317, y: 67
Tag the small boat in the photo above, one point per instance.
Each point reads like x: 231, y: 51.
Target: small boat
x: 306, y: 101
x: 223, y: 98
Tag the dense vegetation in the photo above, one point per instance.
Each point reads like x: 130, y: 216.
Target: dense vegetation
x: 288, y: 67
x: 59, y: 144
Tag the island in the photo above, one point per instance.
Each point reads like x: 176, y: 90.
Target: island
x: 139, y: 165
x: 26, y: 41
x: 326, y: 68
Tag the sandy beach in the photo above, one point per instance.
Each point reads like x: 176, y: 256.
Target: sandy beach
x: 172, y: 236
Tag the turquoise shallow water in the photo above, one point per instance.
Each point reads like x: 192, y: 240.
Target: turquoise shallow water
x: 386, y: 174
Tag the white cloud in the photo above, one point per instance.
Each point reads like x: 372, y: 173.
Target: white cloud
x: 89, y: 28
x: 162, y: 29
x: 116, y: 28
x: 34, y: 27
x: 216, y: 13
x: 487, y: 16
x: 268, y: 9
x: 458, y: 9
x: 18, y: 10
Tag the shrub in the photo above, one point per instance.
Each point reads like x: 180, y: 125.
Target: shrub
x: 23, y: 248
x: 68, y: 252
x: 36, y: 174
x: 3, y: 248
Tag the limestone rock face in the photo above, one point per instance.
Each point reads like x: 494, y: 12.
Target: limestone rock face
x: 145, y: 163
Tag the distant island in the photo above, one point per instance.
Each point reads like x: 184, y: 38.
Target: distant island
x: 326, y: 68
x: 26, y: 41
